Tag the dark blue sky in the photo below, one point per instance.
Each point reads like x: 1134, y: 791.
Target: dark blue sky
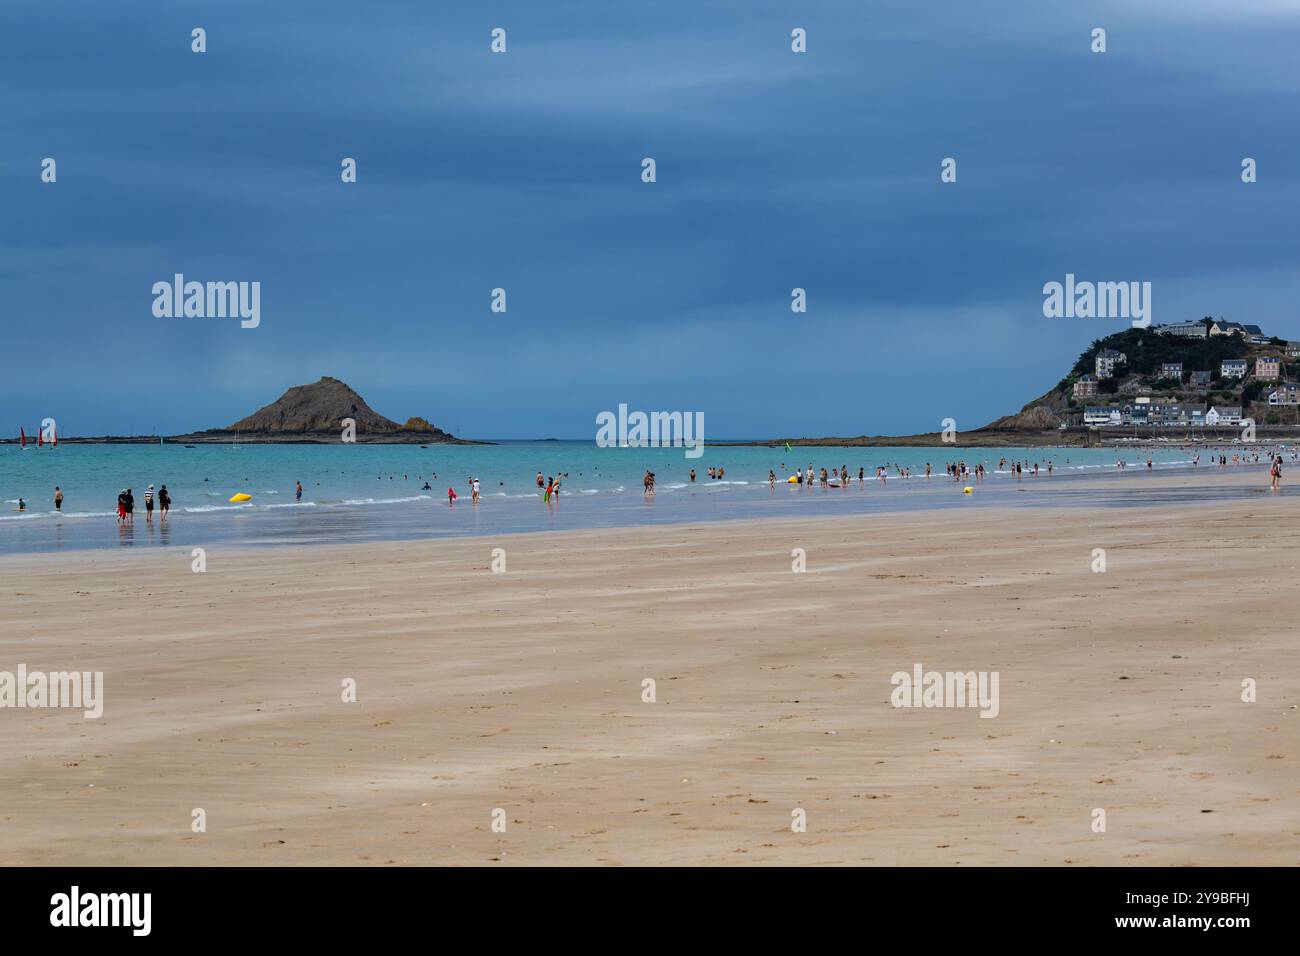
x: 522, y: 170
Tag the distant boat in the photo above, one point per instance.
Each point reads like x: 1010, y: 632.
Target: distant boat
x: 40, y: 437
x: 424, y: 446
x: 189, y: 446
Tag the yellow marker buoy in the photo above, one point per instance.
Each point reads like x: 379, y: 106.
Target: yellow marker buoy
x: 235, y: 499
x: 967, y: 490
x: 792, y: 480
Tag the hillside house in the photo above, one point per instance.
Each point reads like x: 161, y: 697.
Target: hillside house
x: 1188, y: 330
x: 1108, y: 360
x: 1102, y: 415
x: 1223, y: 415
x: 1268, y: 369
x: 1286, y: 394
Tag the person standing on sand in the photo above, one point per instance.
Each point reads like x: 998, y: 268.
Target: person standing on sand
x: 130, y: 507
x: 164, y: 503
x: 121, y: 506
x: 1276, y: 474
x: 148, y: 504
x: 58, y: 499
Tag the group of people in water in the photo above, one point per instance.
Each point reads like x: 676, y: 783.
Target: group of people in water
x: 126, y: 504
x: 842, y: 479
x: 551, y: 487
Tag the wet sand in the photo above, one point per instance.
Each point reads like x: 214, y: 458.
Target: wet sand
x: 522, y: 691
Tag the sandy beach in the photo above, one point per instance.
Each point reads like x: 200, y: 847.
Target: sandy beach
x: 522, y: 691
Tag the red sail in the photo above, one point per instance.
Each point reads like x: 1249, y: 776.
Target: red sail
x: 22, y: 436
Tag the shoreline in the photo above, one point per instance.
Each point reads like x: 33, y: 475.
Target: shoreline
x: 1256, y: 492
x: 423, y: 517
x: 418, y: 515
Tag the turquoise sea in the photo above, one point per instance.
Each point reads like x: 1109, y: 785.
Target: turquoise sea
x: 376, y: 492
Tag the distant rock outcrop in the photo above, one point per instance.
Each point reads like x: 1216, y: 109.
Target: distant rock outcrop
x: 315, y: 413
x: 318, y: 407
x: 1031, y: 417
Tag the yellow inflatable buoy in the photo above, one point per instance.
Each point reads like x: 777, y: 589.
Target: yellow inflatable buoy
x: 967, y: 490
x: 792, y: 480
x: 235, y: 499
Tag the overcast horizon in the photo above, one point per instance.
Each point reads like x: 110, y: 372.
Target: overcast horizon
x: 522, y: 170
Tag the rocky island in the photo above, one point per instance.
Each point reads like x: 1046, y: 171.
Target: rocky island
x: 316, y: 414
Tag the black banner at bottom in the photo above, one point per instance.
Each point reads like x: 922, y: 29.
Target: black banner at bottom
x: 334, y: 906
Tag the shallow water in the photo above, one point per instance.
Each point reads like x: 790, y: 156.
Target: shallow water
x: 349, y: 495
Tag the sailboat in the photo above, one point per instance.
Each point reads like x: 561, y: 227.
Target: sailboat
x: 40, y: 437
